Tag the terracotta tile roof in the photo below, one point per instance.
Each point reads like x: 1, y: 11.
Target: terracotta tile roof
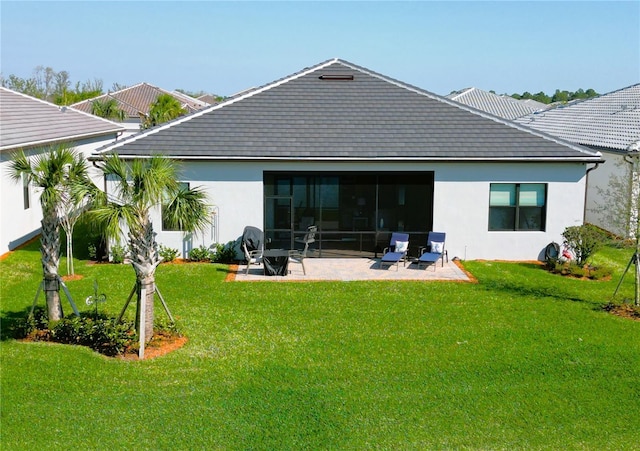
x: 135, y: 100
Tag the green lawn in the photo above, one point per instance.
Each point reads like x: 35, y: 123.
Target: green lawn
x: 522, y: 360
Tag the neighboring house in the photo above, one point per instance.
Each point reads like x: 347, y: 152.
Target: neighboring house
x: 501, y: 106
x: 209, y: 99
x: 31, y: 125
x: 361, y: 155
x: 609, y: 124
x: 136, y: 100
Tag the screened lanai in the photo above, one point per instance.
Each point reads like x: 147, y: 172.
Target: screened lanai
x: 355, y: 212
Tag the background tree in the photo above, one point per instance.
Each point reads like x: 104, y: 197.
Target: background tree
x: 194, y: 94
x: 165, y: 108
x: 117, y: 87
x: 56, y: 172
x: 52, y: 86
x: 108, y: 109
x: 558, y: 96
x: 84, y: 91
x: 621, y: 207
x: 75, y: 200
x: 139, y: 186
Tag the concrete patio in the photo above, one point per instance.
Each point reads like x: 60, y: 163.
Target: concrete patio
x: 350, y: 269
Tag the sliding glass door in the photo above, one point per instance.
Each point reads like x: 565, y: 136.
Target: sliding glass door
x: 355, y: 212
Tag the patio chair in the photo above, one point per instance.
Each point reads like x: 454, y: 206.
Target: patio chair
x: 397, y: 250
x: 434, y: 250
x: 252, y: 246
x: 297, y: 256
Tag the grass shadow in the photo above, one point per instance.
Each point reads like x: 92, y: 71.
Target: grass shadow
x: 9, y: 321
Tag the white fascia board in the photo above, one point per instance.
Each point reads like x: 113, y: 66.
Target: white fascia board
x: 43, y: 142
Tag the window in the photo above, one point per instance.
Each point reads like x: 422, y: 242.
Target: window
x: 183, y: 186
x: 517, y: 206
x: 26, y: 194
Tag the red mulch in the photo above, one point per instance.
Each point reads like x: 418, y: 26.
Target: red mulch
x: 161, y: 344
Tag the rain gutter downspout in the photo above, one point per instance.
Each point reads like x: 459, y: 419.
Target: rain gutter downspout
x: 586, y: 188
x: 634, y: 224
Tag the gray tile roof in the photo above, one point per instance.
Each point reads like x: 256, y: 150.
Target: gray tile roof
x: 29, y: 122
x: 136, y: 100
x: 610, y: 121
x: 501, y: 106
x: 338, y: 110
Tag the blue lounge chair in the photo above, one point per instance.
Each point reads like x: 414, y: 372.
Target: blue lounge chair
x: 397, y: 250
x: 434, y: 250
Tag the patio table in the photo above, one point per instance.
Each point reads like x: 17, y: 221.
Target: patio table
x: 276, y: 262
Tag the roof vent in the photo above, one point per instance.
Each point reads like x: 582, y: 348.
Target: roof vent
x: 336, y: 77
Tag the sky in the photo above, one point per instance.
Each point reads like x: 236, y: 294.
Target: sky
x: 225, y: 47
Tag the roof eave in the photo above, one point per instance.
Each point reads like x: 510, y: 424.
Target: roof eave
x: 33, y: 144
x: 98, y: 157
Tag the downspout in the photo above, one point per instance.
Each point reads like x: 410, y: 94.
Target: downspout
x: 586, y: 188
x: 632, y: 154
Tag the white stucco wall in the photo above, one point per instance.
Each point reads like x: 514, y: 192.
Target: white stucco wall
x: 461, y: 201
x: 18, y: 225
x: 598, y: 180
x: 461, y: 208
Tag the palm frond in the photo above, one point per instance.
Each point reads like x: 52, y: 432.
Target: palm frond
x: 188, y: 210
x: 19, y: 166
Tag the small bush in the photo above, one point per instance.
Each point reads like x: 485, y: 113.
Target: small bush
x: 28, y: 327
x: 201, y: 254
x: 103, y: 335
x: 225, y: 253
x: 600, y: 273
x: 93, y: 251
x: 583, y: 241
x: 118, y: 253
x: 576, y: 270
x: 168, y: 254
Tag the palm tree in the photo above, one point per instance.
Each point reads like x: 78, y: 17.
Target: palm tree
x: 139, y: 186
x: 165, y: 108
x: 57, y: 173
x: 108, y: 109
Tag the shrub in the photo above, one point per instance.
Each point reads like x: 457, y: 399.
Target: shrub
x: 93, y: 251
x: 224, y: 253
x: 599, y: 273
x: 28, y: 327
x: 200, y: 254
x: 102, y: 334
x: 576, y: 270
x: 583, y: 241
x: 168, y: 254
x: 118, y: 253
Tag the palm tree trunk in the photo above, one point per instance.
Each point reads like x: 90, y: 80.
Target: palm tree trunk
x: 50, y: 252
x: 149, y: 284
x: 145, y: 259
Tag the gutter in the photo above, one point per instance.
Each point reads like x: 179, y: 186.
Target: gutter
x: 586, y: 188
x: 342, y: 159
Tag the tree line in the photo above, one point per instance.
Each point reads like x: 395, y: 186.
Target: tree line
x: 558, y: 97
x: 55, y: 86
